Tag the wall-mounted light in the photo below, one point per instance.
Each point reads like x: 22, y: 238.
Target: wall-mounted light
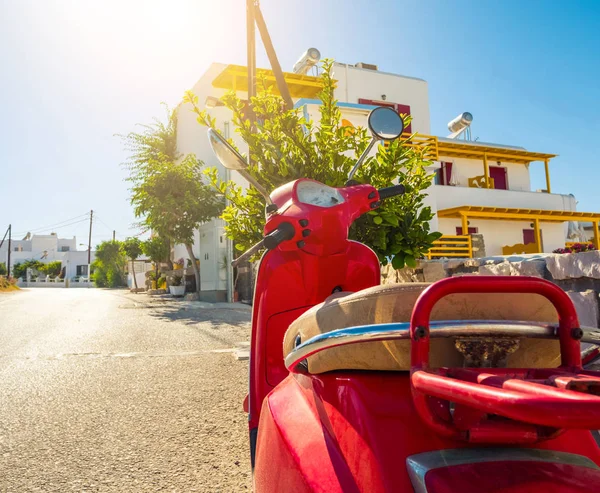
x: 213, y: 102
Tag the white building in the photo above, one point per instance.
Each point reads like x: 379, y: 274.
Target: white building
x: 479, y: 188
x: 46, y: 249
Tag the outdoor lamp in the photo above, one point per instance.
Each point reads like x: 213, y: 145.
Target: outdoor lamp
x: 213, y: 102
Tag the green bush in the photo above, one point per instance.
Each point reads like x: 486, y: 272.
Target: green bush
x: 2, y: 269
x: 109, y: 266
x: 20, y: 269
x: 99, y: 277
x: 114, y: 278
x: 52, y: 268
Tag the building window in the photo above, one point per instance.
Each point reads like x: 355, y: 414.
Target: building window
x: 403, y: 109
x: 472, y: 231
x: 64, y: 248
x: 82, y: 270
x: 443, y: 175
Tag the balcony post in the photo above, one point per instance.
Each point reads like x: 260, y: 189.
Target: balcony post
x: 465, y: 224
x: 596, y: 235
x: 547, y: 176
x: 486, y: 170
x: 538, y: 236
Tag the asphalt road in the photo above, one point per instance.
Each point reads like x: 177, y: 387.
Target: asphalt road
x: 110, y: 391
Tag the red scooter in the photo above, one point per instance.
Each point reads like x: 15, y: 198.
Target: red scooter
x: 471, y: 384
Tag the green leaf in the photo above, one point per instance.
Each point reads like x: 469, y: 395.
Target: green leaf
x: 398, y: 261
x: 377, y: 220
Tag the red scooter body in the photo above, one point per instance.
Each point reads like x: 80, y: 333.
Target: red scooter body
x: 349, y: 431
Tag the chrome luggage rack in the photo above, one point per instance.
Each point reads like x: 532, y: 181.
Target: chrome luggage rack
x: 439, y: 329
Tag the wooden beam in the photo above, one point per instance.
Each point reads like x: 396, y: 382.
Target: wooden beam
x: 547, y: 176
x: 486, y: 171
x: 538, y: 236
x: 465, y: 224
x: 596, y: 235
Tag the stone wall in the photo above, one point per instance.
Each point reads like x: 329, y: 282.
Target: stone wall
x: 578, y: 274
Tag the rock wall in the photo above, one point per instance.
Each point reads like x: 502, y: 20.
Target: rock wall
x: 578, y: 274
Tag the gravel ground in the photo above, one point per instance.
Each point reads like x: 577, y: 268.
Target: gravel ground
x: 110, y: 391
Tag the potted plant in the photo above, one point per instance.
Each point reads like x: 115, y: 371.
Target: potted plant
x: 176, y: 286
x: 178, y: 264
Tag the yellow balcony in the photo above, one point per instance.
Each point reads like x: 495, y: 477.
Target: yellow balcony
x: 459, y: 246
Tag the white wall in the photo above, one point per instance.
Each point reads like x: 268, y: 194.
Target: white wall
x: 448, y: 197
x: 355, y: 83
x: 497, y: 234
x: 463, y: 169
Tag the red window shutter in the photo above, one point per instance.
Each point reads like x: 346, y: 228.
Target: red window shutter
x: 403, y: 109
x: 472, y: 231
x: 446, y: 173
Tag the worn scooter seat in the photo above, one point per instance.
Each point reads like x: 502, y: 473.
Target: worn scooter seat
x: 394, y: 303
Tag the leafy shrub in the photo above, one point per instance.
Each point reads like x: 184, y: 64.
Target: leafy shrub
x: 175, y: 280
x: 576, y: 248
x: 114, y: 278
x: 99, y: 277
x: 162, y: 281
x: 52, y: 268
x: 109, y: 266
x: 8, y: 283
x: 20, y: 269
x: 2, y: 269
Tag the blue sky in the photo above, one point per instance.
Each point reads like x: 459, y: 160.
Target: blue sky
x: 74, y: 73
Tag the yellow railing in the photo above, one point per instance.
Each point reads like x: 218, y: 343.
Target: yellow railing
x: 452, y: 246
x: 427, y: 145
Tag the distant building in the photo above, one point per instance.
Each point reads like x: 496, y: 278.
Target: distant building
x: 46, y: 249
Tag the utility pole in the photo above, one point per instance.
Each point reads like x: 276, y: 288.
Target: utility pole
x: 284, y: 90
x: 114, y: 235
x: 89, y: 269
x: 251, y: 51
x: 90, y: 239
x: 9, y: 248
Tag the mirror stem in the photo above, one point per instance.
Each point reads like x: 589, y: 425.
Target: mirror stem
x: 256, y: 185
x: 362, y: 157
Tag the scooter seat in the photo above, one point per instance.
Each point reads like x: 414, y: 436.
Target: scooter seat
x: 394, y: 303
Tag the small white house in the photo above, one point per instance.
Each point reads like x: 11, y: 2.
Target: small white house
x: 49, y: 248
x: 480, y: 188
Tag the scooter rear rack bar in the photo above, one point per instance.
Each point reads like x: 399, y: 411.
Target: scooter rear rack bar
x: 533, y: 408
x: 439, y: 329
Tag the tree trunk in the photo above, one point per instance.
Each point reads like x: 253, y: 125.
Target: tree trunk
x: 169, y: 261
x: 195, y: 266
x: 134, y: 276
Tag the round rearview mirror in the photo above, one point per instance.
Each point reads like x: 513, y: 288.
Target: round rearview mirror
x: 385, y: 123
x: 226, y: 154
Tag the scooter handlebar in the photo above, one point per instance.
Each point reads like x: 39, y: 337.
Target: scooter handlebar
x: 387, y: 192
x: 285, y: 231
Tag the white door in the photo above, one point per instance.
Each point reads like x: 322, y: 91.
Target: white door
x: 208, y: 259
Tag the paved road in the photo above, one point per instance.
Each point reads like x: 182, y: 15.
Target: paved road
x: 109, y: 391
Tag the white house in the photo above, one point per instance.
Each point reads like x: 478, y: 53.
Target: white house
x: 49, y: 248
x: 480, y: 188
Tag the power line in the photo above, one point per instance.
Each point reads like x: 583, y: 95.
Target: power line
x: 55, y: 225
